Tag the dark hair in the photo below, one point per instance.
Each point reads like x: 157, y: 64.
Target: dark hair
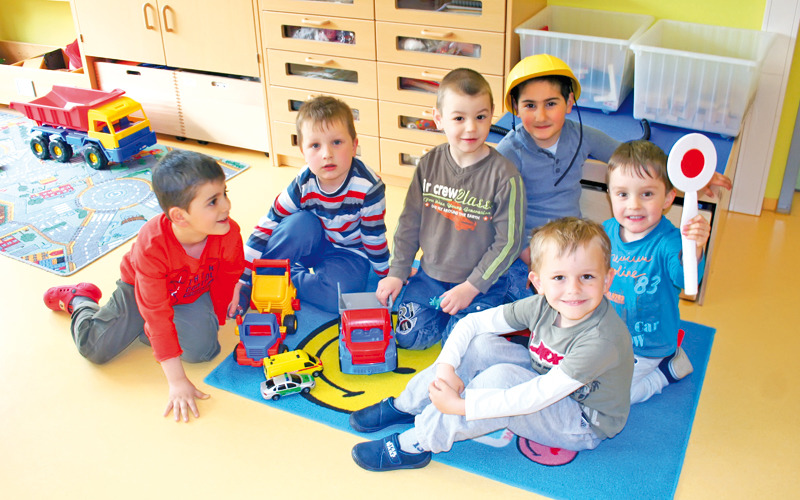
x: 563, y: 83
x: 178, y: 175
x: 641, y: 158
x: 322, y: 111
x: 464, y: 81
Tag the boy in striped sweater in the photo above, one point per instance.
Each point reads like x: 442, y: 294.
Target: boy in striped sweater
x: 330, y: 218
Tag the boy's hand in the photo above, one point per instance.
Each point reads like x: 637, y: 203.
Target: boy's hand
x: 445, y: 398
x: 698, y: 229
x: 447, y: 373
x: 525, y: 255
x: 233, y: 307
x: 458, y: 297
x: 182, y: 396
x: 388, y: 286
x: 182, y: 392
x: 717, y: 180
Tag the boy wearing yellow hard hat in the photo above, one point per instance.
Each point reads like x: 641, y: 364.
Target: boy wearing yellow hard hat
x: 548, y: 149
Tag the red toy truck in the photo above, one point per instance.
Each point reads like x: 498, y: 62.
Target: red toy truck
x: 105, y: 125
x: 366, y: 344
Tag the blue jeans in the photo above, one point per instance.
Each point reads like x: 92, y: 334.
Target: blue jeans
x: 517, y: 276
x: 420, y: 322
x: 301, y: 238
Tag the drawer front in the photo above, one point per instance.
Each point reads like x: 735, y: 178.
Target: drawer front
x: 284, y: 142
x: 332, y: 36
x: 153, y: 88
x: 359, y: 9
x: 321, y: 73
x: 418, y: 85
x: 224, y: 110
x: 439, y: 47
x: 399, y: 158
x: 406, y: 122
x: 490, y: 15
x: 284, y: 103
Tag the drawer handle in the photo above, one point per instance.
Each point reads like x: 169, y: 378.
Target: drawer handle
x: 147, y: 24
x: 426, y: 151
x: 428, y: 74
x: 436, y: 33
x: 312, y: 22
x: 427, y: 113
x: 134, y: 73
x: 318, y: 61
x: 164, y: 16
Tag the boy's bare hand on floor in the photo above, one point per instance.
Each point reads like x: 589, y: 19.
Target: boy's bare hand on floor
x: 182, y: 395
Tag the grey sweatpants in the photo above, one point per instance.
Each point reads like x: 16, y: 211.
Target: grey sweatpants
x: 100, y: 333
x: 494, y: 362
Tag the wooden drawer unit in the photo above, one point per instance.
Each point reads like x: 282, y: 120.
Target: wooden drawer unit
x: 21, y: 81
x: 406, y: 122
x: 399, y: 158
x: 485, y: 15
x: 224, y: 110
x: 359, y: 9
x: 284, y: 145
x: 418, y: 85
x: 195, y: 105
x: 333, y: 36
x: 438, y: 47
x: 284, y: 103
x: 154, y: 88
x: 321, y: 73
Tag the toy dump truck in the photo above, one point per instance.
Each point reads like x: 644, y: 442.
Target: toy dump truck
x: 274, y: 298
x: 107, y: 126
x: 366, y: 345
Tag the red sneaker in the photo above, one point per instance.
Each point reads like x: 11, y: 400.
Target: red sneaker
x: 58, y: 298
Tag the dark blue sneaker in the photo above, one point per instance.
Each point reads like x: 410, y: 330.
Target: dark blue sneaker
x: 385, y: 454
x: 379, y: 416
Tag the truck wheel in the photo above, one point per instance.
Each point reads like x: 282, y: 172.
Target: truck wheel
x: 39, y: 144
x: 60, y: 150
x: 94, y: 157
x: 290, y: 322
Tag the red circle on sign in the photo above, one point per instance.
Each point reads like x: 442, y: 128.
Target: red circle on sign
x: 692, y: 163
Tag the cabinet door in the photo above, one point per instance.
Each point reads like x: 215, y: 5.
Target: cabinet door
x: 224, y: 110
x: 208, y: 35
x: 132, y: 33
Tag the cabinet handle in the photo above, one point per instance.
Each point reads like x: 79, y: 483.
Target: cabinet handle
x: 311, y: 22
x: 318, y: 61
x: 436, y: 33
x: 427, y: 113
x: 428, y: 74
x: 147, y: 24
x: 426, y: 151
x: 164, y: 16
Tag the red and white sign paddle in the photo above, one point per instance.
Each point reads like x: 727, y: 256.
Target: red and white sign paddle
x: 690, y: 165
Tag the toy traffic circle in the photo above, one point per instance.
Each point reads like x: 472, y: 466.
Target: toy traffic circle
x: 692, y: 162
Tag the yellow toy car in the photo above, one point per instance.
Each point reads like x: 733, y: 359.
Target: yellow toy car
x: 273, y: 291
x: 297, y: 361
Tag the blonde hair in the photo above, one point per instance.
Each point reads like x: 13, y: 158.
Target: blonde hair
x: 322, y: 111
x: 464, y: 81
x: 641, y: 158
x: 567, y: 235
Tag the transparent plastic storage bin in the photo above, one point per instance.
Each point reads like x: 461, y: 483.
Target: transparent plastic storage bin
x: 697, y: 76
x: 594, y: 43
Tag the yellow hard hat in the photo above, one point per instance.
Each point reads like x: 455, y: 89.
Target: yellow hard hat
x: 536, y: 66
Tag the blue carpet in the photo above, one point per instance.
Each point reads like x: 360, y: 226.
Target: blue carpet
x: 643, y: 461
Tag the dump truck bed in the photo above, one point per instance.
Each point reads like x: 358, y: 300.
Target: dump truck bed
x: 66, y: 106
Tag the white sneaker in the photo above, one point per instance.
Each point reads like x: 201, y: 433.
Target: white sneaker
x: 679, y: 365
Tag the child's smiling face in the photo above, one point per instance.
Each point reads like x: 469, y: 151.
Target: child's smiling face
x: 637, y: 202
x: 574, y: 282
x: 542, y: 110
x: 466, y: 120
